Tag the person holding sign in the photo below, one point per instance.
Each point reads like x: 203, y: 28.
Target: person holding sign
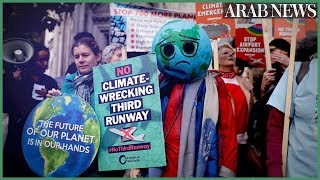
x: 303, y: 130
x: 257, y: 129
x: 279, y: 53
x: 240, y: 91
x: 72, y: 67
x: 199, y: 129
x: 87, y: 55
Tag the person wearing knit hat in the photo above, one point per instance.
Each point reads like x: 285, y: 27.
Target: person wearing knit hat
x: 112, y: 53
x: 280, y: 44
x: 280, y: 53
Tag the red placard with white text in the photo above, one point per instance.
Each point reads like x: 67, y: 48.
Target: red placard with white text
x: 210, y: 17
x: 283, y: 28
x: 249, y: 45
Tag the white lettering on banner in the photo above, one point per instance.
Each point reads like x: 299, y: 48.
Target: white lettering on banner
x: 125, y: 82
x: 50, y: 131
x: 127, y: 118
x: 210, y: 12
x: 126, y: 93
x: 211, y: 5
x: 285, y: 31
x: 126, y: 105
x: 77, y: 137
x: 250, y: 50
x: 57, y: 145
x: 250, y: 44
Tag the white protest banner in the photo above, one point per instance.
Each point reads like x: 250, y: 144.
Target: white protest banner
x: 135, y: 26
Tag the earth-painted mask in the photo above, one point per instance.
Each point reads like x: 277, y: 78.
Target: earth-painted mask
x: 183, y: 50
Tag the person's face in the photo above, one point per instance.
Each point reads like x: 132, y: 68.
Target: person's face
x: 274, y: 49
x: 42, y: 60
x: 226, y: 57
x: 85, y: 59
x: 117, y: 55
x: 278, y: 58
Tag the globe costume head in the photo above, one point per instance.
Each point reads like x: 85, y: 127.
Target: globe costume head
x: 183, y: 50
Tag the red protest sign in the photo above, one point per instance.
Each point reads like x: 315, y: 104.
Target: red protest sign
x: 249, y: 45
x: 210, y: 17
x: 283, y: 28
x: 311, y: 25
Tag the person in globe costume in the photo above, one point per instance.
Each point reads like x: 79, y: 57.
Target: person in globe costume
x: 199, y: 128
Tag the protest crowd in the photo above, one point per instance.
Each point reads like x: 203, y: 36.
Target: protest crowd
x: 191, y: 98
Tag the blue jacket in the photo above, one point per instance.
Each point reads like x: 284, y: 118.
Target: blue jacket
x: 67, y: 87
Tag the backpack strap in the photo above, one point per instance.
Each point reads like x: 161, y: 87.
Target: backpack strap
x: 304, y: 68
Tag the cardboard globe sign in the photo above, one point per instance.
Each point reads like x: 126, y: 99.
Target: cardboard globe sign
x: 183, y: 50
x: 61, y: 137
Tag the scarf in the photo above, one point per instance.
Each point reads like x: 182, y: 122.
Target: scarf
x: 193, y: 160
x: 83, y: 85
x: 186, y: 159
x: 207, y: 164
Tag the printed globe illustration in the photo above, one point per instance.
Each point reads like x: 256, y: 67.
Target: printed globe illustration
x: 183, y: 50
x: 61, y: 137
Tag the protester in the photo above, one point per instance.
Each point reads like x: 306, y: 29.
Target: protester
x: 87, y: 54
x: 257, y: 129
x: 199, y: 129
x: 23, y: 90
x: 303, y: 130
x: 279, y: 54
x: 240, y: 91
x: 112, y: 53
x: 72, y: 67
x: 37, y: 69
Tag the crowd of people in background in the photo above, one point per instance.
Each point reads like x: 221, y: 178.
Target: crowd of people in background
x: 258, y: 112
